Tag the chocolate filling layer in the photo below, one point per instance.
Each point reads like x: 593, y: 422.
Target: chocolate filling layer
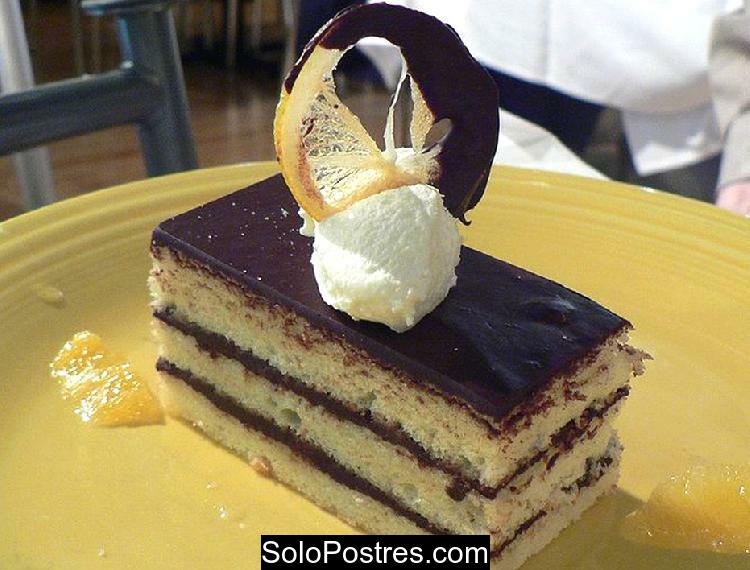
x: 310, y: 453
x: 319, y: 459
x: 563, y: 440
x: 497, y: 551
x: 596, y: 467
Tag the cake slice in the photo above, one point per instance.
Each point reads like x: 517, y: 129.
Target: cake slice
x: 491, y: 416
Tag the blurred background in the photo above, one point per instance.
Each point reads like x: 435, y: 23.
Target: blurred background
x: 234, y: 54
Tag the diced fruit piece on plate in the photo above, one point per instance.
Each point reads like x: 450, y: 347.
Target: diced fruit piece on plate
x: 707, y: 508
x: 101, y: 385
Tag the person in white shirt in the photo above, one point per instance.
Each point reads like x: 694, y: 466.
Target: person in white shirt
x: 648, y: 60
x: 730, y: 81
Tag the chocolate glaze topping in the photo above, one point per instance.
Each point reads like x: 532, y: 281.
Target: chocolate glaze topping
x: 500, y: 336
x: 454, y: 86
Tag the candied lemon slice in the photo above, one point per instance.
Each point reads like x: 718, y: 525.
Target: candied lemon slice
x: 330, y: 161
x: 327, y: 157
x: 101, y: 386
x: 706, y: 508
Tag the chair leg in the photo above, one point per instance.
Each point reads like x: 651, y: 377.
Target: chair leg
x: 96, y: 45
x: 34, y: 173
x: 232, y: 25
x: 78, y: 55
x: 148, y: 40
x: 186, y: 33
x: 256, y: 27
x: 208, y: 25
x: 290, y: 10
x: 403, y: 112
x: 31, y: 8
x: 33, y: 166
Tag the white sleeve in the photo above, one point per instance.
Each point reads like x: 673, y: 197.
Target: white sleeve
x: 730, y: 83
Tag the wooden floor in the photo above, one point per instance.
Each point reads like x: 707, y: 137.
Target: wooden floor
x: 231, y: 112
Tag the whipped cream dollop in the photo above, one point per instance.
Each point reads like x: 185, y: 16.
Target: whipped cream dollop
x: 389, y: 258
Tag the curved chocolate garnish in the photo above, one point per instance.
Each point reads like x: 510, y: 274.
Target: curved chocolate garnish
x: 453, y: 84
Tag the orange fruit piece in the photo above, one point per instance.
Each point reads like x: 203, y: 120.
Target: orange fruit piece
x: 101, y: 386
x: 706, y: 508
x: 330, y: 161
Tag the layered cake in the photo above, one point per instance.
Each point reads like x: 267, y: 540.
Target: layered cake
x: 491, y: 415
x: 399, y: 380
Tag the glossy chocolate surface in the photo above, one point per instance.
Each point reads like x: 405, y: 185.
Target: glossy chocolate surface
x: 501, y: 334
x: 454, y: 86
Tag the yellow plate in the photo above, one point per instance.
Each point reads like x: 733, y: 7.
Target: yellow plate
x: 163, y: 496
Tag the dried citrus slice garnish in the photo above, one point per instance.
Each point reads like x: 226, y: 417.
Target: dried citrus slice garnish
x: 330, y: 161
